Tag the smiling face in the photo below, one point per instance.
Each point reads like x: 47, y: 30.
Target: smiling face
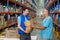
x: 26, y: 11
x: 45, y: 12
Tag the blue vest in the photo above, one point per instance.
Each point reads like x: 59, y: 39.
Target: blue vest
x: 22, y: 23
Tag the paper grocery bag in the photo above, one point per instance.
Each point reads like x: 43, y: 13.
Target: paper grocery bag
x: 28, y: 25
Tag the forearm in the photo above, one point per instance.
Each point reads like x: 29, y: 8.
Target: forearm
x: 20, y: 28
x: 40, y: 27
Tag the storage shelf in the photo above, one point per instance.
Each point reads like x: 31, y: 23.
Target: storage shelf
x: 57, y: 24
x: 7, y: 25
x: 49, y: 4
x: 10, y: 13
x: 20, y: 4
x: 55, y: 12
x: 29, y: 2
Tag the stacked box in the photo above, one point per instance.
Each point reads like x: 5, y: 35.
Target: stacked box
x: 3, y: 33
x: 13, y: 19
x: 5, y: 9
x: 11, y: 9
x: 1, y: 8
x: 11, y: 33
x: 28, y: 5
x: 19, y: 9
x: 19, y: 1
x: 1, y: 20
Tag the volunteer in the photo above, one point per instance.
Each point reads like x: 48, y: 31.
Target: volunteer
x: 46, y: 27
x: 24, y: 35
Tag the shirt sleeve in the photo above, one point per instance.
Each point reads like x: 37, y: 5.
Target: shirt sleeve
x: 19, y: 19
x: 46, y: 24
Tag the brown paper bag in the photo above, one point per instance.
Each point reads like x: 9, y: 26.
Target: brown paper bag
x: 28, y: 25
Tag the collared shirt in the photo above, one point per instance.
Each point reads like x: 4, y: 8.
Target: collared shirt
x: 19, y: 19
x: 47, y: 32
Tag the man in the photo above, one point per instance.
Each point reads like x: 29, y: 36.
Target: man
x: 46, y: 27
x: 24, y: 35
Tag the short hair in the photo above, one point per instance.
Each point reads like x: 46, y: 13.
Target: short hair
x: 47, y: 10
x: 24, y: 9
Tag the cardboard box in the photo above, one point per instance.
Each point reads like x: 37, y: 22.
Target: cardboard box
x: 1, y: 19
x: 1, y: 8
x: 12, y: 33
x: 19, y: 1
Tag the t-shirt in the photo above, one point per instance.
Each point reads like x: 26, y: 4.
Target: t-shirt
x: 47, y: 32
x: 19, y: 19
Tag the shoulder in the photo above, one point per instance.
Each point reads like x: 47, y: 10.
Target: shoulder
x: 49, y: 17
x: 19, y: 17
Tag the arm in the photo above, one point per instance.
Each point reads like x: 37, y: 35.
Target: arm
x: 44, y: 25
x: 40, y: 27
x: 20, y: 27
x: 19, y: 21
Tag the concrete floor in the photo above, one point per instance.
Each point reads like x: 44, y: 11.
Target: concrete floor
x: 36, y: 32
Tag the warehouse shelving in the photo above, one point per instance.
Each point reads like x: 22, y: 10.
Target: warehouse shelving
x: 13, y: 2
x: 57, y: 24
x: 10, y: 13
x: 30, y: 3
x: 20, y: 4
x: 49, y: 3
x: 54, y: 8
x: 8, y: 25
x: 56, y: 11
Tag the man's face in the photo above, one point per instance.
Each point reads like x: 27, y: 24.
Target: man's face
x: 26, y: 11
x: 45, y: 12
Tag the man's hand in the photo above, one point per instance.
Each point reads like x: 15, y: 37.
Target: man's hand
x: 39, y: 27
x: 26, y: 31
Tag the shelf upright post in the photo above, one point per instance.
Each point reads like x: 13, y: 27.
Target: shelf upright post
x: 8, y: 7
x: 15, y: 6
x: 8, y: 11
x: 7, y: 4
x: 58, y: 4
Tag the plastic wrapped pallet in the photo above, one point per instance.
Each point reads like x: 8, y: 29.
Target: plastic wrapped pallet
x: 3, y: 33
x: 1, y: 8
x: 10, y: 34
x: 1, y: 20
